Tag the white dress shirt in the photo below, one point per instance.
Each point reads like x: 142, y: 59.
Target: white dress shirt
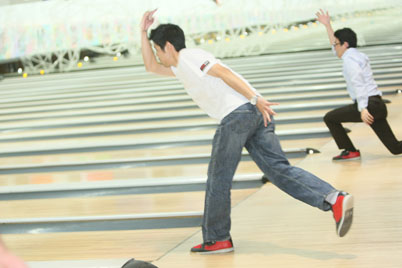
x: 359, y: 77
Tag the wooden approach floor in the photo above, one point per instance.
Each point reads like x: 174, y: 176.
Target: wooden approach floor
x: 269, y: 228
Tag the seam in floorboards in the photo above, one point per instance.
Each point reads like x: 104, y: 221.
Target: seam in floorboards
x: 178, y: 245
x: 192, y: 235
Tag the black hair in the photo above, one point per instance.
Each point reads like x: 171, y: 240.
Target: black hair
x: 168, y: 33
x: 346, y: 35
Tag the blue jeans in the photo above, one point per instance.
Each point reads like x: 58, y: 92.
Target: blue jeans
x: 244, y: 127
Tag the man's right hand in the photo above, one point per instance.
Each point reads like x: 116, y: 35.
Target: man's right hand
x: 264, y: 107
x: 147, y: 20
x: 323, y: 17
x: 9, y: 260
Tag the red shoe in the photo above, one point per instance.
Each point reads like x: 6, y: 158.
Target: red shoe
x: 214, y: 247
x: 347, y: 155
x: 343, y: 213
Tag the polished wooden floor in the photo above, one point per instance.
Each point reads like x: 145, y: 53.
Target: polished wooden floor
x: 269, y: 228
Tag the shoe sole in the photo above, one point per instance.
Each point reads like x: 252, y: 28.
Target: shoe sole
x: 347, y: 216
x: 225, y: 250
x: 347, y: 159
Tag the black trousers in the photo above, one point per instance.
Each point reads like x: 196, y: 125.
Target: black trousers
x: 350, y: 113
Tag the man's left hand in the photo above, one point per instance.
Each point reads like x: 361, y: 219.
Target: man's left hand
x: 366, y: 117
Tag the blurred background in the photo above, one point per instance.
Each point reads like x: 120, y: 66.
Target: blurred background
x: 41, y: 37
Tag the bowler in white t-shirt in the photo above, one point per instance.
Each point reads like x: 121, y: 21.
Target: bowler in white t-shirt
x: 246, y: 120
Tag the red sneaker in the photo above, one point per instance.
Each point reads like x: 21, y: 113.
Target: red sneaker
x: 214, y: 247
x: 347, y: 155
x: 343, y: 213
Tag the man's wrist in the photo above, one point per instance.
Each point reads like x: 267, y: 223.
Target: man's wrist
x: 254, y: 100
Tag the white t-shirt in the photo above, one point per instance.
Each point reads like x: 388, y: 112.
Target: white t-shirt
x: 210, y: 93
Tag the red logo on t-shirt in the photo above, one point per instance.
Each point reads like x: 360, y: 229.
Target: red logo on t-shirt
x: 205, y: 64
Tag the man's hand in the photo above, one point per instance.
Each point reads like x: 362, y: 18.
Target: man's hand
x: 323, y: 17
x: 9, y: 260
x: 233, y: 81
x: 264, y: 107
x: 366, y: 117
x: 147, y: 20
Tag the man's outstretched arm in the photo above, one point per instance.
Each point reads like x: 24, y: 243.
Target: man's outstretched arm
x: 325, y: 19
x: 240, y: 86
x: 150, y: 62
